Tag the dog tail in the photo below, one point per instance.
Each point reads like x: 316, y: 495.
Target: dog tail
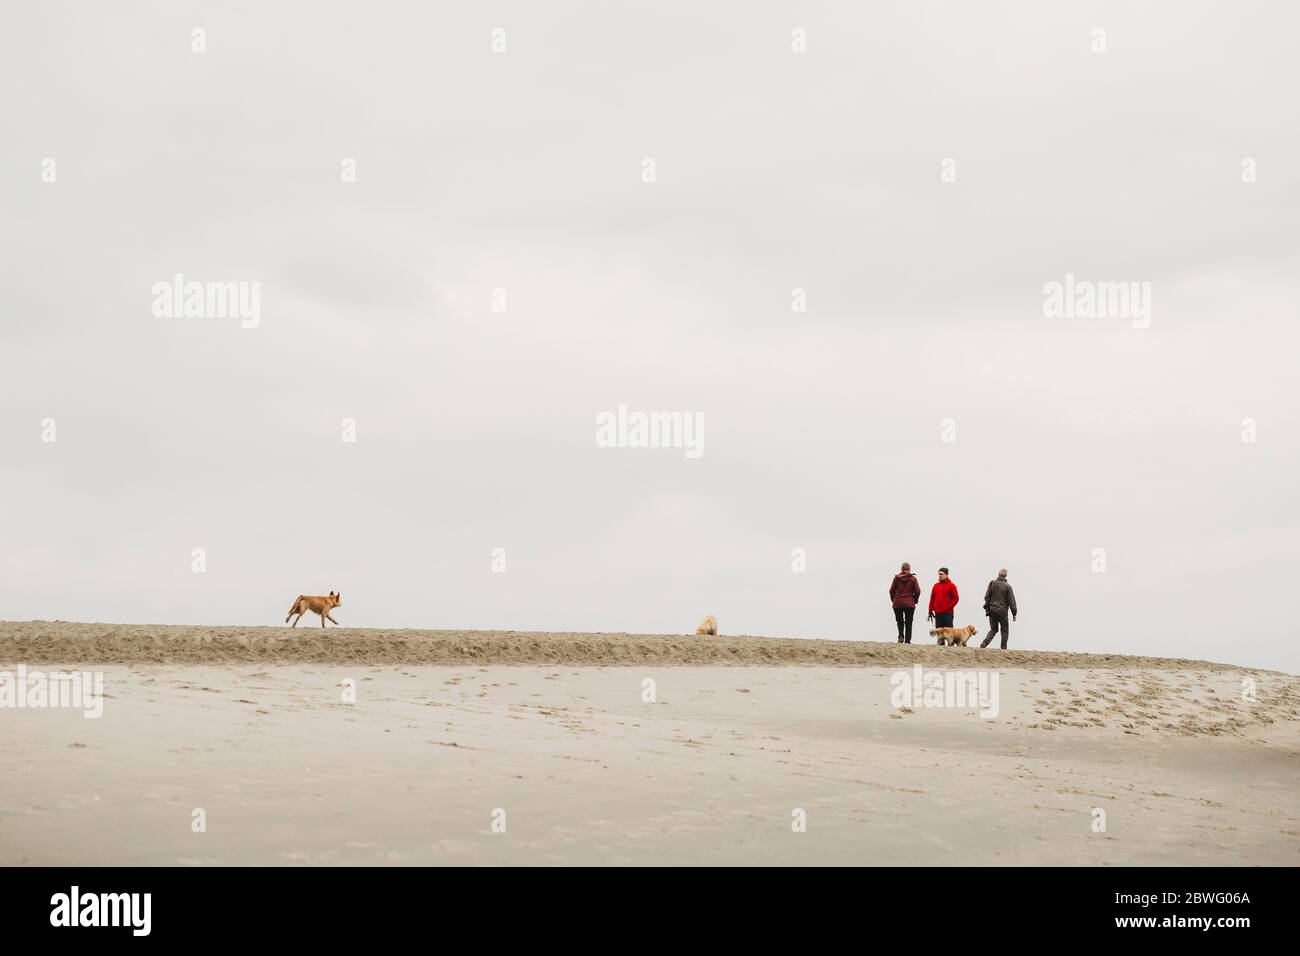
x: 934, y: 632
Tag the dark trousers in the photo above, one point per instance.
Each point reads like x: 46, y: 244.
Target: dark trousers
x: 943, y: 620
x: 903, y: 617
x: 998, y: 621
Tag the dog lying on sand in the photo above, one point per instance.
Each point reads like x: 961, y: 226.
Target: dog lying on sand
x: 954, y: 635
x: 708, y: 627
x: 314, y: 602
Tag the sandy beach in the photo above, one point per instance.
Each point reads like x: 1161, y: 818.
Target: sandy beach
x: 445, y: 747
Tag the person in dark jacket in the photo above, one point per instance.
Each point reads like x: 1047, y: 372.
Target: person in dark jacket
x: 943, y: 600
x: 904, y: 592
x: 998, y: 600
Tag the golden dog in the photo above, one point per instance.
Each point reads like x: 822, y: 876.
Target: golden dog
x: 314, y: 602
x: 708, y: 626
x: 954, y: 635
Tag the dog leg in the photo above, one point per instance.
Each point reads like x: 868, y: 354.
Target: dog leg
x: 331, y: 617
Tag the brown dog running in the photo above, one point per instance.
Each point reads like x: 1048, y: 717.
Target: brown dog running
x: 954, y: 635
x: 708, y: 627
x: 314, y: 602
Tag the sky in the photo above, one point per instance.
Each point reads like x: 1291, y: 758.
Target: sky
x: 821, y: 231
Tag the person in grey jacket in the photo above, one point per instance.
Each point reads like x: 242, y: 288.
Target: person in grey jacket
x: 998, y: 600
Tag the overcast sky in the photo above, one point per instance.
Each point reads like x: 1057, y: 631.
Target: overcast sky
x: 774, y: 170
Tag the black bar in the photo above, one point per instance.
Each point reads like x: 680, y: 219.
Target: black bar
x: 966, y: 905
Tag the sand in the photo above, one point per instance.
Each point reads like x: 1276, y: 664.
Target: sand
x: 742, y: 740
x: 60, y: 641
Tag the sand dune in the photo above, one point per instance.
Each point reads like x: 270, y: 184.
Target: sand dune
x: 555, y: 736
x: 73, y: 643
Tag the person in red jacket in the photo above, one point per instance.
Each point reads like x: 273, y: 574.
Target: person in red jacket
x: 943, y: 600
x: 904, y: 592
